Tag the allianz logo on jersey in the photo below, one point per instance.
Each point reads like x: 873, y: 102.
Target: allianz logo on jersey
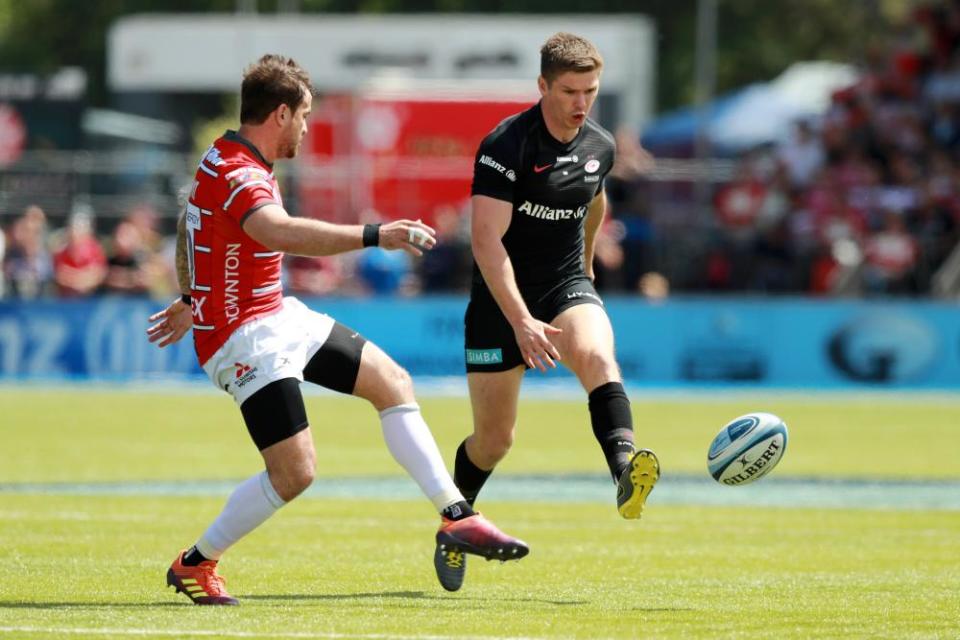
x: 543, y: 212
x: 490, y: 162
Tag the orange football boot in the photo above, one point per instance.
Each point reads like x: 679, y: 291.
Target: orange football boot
x: 201, y: 583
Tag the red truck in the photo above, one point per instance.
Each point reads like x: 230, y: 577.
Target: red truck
x: 399, y: 150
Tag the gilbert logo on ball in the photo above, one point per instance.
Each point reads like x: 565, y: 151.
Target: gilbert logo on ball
x: 747, y: 448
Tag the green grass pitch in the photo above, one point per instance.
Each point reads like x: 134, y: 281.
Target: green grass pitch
x: 93, y: 565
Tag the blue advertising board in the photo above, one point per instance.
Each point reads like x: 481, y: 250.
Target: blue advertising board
x: 757, y: 342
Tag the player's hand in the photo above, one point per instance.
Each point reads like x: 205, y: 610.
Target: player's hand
x: 533, y: 338
x: 410, y: 235
x: 171, y: 324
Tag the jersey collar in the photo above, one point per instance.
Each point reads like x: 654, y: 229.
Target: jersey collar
x: 233, y: 136
x: 546, y: 132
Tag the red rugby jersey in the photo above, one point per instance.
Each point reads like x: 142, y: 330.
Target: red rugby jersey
x: 234, y: 279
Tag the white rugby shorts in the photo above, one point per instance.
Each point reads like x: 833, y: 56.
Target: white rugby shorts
x: 268, y: 349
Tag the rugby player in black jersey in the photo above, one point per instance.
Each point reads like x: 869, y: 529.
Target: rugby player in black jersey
x: 537, y: 203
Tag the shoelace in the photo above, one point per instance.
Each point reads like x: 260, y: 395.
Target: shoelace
x: 216, y: 582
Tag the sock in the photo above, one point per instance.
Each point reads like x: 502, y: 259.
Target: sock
x: 193, y: 557
x: 412, y: 445
x: 248, y: 506
x: 469, y: 477
x: 613, y: 425
x: 458, y: 511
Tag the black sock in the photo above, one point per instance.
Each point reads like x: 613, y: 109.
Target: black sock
x: 613, y: 425
x: 468, y: 477
x: 193, y: 557
x: 458, y: 511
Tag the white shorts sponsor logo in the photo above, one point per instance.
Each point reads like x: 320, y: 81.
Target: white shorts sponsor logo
x: 268, y: 349
x: 245, y: 373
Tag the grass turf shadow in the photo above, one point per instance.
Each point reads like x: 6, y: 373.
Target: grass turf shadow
x: 408, y: 595
x: 85, y: 605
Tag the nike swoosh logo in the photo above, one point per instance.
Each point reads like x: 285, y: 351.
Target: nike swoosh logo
x: 537, y: 169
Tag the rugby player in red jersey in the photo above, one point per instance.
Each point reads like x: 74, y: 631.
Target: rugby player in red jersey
x: 259, y: 346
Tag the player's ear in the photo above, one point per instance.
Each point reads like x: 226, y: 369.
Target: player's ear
x: 542, y: 85
x: 282, y: 114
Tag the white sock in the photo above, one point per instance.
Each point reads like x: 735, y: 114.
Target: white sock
x: 412, y: 445
x: 248, y: 507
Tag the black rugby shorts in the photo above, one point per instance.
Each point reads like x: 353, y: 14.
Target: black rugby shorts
x: 489, y: 342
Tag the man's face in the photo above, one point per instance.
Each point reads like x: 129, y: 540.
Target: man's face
x: 569, y: 98
x: 294, y: 129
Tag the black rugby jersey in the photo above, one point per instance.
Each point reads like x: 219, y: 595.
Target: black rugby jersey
x: 550, y: 185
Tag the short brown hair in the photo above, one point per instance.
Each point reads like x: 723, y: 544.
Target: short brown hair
x: 564, y: 52
x: 269, y: 82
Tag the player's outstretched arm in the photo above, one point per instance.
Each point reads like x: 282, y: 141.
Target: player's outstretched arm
x: 489, y: 220
x: 275, y: 229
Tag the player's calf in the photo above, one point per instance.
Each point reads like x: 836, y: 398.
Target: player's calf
x: 612, y: 423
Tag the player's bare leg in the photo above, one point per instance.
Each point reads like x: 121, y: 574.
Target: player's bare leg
x: 389, y: 388
x: 290, y: 466
x: 588, y: 346
x: 381, y: 381
x: 494, y: 398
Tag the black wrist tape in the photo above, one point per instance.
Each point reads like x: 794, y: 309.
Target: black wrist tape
x: 371, y: 235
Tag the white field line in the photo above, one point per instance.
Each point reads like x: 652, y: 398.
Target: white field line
x: 219, y: 633
x: 843, y: 493
x: 533, y: 389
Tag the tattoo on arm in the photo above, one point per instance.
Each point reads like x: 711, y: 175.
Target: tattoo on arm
x: 183, y: 260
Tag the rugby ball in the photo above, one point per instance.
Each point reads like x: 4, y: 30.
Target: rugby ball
x: 747, y: 448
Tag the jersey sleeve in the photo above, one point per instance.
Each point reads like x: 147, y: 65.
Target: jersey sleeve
x: 247, y: 188
x: 496, y: 166
x: 607, y: 169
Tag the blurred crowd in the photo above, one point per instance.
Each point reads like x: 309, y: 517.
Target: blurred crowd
x: 74, y: 262
x: 864, y: 200
x: 136, y: 259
